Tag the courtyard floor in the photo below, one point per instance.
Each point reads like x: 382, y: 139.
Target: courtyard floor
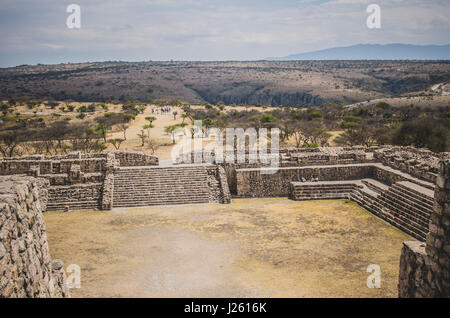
x: 271, y: 247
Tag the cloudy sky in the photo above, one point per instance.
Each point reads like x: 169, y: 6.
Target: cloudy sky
x: 35, y: 31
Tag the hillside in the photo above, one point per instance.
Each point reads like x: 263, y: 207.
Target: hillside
x: 275, y: 83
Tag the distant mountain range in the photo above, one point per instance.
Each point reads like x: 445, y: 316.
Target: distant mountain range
x: 375, y: 52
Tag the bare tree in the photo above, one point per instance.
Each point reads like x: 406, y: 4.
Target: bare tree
x: 123, y: 127
x: 152, y: 146
x: 142, y: 136
x: 116, y: 142
x: 9, y: 143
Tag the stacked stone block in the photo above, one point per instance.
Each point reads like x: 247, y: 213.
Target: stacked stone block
x: 425, y: 268
x: 146, y: 186
x: 438, y: 240
x: 26, y: 268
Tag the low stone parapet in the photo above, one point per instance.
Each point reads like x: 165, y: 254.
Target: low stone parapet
x: 135, y: 158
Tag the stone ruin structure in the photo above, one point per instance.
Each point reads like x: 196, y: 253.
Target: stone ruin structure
x: 26, y: 267
x: 404, y: 186
x: 118, y: 179
x: 425, y: 267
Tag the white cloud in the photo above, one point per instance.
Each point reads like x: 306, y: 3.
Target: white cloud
x: 201, y: 29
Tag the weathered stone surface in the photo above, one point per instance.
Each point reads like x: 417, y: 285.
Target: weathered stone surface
x: 81, y: 181
x: 24, y: 255
x: 431, y: 279
x: 402, y: 180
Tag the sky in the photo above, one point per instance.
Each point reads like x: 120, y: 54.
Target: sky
x: 35, y: 31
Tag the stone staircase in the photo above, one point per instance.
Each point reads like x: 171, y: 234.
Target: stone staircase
x: 84, y: 196
x: 300, y: 191
x: 146, y: 186
x: 405, y: 205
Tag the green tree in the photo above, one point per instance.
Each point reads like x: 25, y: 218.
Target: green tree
x: 102, y: 129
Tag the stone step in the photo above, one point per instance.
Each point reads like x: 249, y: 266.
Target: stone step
x: 420, y: 204
x: 322, y: 196
x: 378, y: 207
x: 161, y: 170
x: 151, y: 196
x: 423, y: 221
x: 159, y: 198
x: 375, y: 185
x: 400, y: 216
x: 161, y: 202
x: 402, y: 201
x: 166, y: 177
x: 143, y: 178
x: 73, y: 205
x: 156, y: 188
x: 417, y: 190
x: 417, y: 234
x: 405, y: 212
x: 160, y: 186
x: 162, y: 191
x: 156, y: 185
x: 367, y: 192
x: 413, y: 194
x: 318, y: 185
x: 406, y: 228
x: 324, y: 186
x: 150, y: 181
x: 303, y: 190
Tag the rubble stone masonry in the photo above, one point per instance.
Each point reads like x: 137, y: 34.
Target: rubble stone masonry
x: 425, y: 268
x: 26, y: 268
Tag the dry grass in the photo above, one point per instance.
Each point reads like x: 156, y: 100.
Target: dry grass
x: 251, y: 248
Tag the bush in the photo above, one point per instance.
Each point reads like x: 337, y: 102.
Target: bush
x: 424, y: 133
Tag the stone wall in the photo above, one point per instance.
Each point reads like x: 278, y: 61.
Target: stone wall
x: 438, y: 240
x: 26, y: 268
x: 225, y: 190
x: 390, y: 176
x: 420, y: 163
x: 425, y: 268
x: 135, y: 158
x: 77, y: 181
x: 256, y: 183
x: 224, y: 195
x: 251, y: 182
x: 76, y: 196
x: 20, y: 166
x: 290, y: 157
x: 108, y: 183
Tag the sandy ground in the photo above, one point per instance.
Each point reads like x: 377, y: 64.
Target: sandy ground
x: 157, y: 133
x: 269, y: 247
x: 420, y: 101
x: 133, y: 141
